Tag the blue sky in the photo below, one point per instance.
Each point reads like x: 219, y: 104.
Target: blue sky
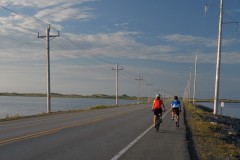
x: 156, y: 39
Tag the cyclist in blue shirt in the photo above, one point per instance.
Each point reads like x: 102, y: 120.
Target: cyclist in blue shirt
x: 176, y: 108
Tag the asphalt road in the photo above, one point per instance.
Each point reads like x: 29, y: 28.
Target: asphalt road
x: 107, y: 134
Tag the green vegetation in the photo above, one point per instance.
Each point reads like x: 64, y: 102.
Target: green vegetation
x: 58, y: 95
x: 17, y: 117
x: 8, y: 117
x: 23, y: 94
x: 100, y: 107
x: 210, y: 139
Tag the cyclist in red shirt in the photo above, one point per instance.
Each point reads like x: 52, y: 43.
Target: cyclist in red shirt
x: 157, y: 107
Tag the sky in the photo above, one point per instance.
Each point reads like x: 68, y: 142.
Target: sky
x: 156, y: 39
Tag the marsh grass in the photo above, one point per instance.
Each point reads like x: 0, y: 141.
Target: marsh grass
x: 209, y: 139
x: 17, y: 117
x: 100, y: 107
x: 12, y: 117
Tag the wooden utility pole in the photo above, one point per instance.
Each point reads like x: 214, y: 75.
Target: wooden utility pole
x: 195, y: 79
x: 138, y: 79
x: 47, y: 37
x: 216, y: 93
x: 117, y: 69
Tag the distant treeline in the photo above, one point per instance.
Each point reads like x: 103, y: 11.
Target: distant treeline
x: 124, y: 96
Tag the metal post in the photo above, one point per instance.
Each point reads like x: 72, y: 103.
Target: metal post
x: 216, y: 93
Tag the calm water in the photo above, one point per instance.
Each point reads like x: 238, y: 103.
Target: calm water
x: 34, y: 105
x: 229, y: 109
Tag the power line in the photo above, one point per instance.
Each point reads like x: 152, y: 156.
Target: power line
x: 28, y: 29
x: 38, y: 21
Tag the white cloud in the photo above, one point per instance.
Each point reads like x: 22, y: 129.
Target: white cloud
x: 123, y: 45
x: 231, y: 57
x: 115, y: 45
x: 44, y: 13
x: 183, y: 38
x: 42, y: 3
x: 65, y: 13
x: 196, y: 40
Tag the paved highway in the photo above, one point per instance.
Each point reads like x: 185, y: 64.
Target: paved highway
x: 107, y: 134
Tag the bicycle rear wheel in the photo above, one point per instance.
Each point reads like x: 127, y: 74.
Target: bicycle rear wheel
x: 157, y: 124
x: 176, y: 120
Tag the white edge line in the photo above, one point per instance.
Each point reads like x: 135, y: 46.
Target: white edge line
x: 125, y: 149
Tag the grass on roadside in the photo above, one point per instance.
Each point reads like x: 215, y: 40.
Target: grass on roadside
x: 100, y: 107
x: 12, y: 117
x: 210, y: 140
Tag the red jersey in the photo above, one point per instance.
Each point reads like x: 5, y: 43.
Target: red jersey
x: 157, y: 104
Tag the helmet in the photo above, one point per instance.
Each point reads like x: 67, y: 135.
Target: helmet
x: 158, y: 96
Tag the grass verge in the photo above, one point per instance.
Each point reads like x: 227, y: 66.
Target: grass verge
x: 211, y: 137
x: 100, y: 107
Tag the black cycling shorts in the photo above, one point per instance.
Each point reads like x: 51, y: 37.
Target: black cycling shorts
x: 176, y: 110
x: 157, y: 111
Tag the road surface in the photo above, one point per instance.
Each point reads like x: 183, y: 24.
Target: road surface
x: 124, y: 133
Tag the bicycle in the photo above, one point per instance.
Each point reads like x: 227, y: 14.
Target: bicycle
x: 159, y: 120
x: 175, y: 119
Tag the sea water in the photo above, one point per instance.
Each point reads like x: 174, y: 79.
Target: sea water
x: 229, y: 109
x: 25, y: 106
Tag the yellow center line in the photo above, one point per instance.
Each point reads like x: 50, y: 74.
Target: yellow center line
x: 51, y: 131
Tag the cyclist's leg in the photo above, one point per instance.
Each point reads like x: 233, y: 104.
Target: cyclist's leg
x: 160, y: 115
x: 155, y: 118
x: 172, y: 114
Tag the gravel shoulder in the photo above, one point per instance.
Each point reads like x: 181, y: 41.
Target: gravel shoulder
x: 211, y: 136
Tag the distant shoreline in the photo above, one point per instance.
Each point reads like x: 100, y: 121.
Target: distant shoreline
x: 58, y: 95
x: 104, y: 96
x: 221, y: 100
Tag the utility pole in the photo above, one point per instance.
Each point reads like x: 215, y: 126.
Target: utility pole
x: 138, y: 79
x: 195, y: 79
x: 188, y: 95
x: 156, y: 91
x: 162, y: 93
x: 190, y: 84
x: 216, y: 93
x: 47, y: 38
x: 149, y: 84
x: 185, y: 93
x: 117, y: 69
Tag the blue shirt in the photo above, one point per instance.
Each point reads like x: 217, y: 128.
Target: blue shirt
x: 175, y: 104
